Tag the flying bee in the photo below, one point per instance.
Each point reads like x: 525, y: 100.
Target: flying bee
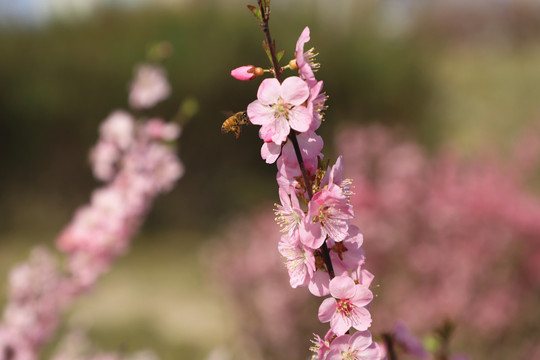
x: 235, y: 122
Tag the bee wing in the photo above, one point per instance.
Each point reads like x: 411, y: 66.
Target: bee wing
x: 227, y: 113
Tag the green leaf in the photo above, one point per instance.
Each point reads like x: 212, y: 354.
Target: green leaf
x: 266, y: 6
x: 279, y: 55
x: 256, y: 12
x: 267, y: 51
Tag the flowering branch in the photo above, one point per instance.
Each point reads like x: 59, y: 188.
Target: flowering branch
x: 322, y: 250
x: 135, y: 160
x: 264, y: 7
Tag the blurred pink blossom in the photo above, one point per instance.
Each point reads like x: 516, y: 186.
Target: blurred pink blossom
x: 149, y: 87
x: 456, y: 238
x: 136, y: 166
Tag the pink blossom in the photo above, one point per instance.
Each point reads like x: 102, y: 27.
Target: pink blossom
x: 306, y: 60
x: 279, y: 108
x: 362, y: 276
x: 348, y: 252
x: 316, y: 104
x: 322, y: 346
x: 289, y: 215
x: 270, y: 152
x: 347, y: 306
x: 160, y: 130
x: 37, y: 295
x: 287, y: 176
x: 103, y: 157
x: 244, y: 73
x: 440, y: 212
x: 136, y: 166
x: 319, y: 285
x: 329, y: 213
x: 149, y: 87
x: 334, y: 175
x: 310, y: 145
x: 359, y: 346
x: 118, y: 129
x: 299, y: 261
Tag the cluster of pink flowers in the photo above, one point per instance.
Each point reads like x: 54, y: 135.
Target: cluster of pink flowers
x: 274, y: 320
x: 321, y: 248
x: 135, y: 159
x: 434, y: 220
x: 448, y: 219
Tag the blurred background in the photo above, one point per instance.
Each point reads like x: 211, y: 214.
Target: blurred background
x: 440, y: 77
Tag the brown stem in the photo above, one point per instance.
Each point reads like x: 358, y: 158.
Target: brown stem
x: 305, y: 174
x: 389, y: 342
x: 266, y: 29
x: 277, y: 73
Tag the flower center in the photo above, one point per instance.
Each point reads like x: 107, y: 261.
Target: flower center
x: 344, y: 306
x: 281, y: 109
x: 287, y: 219
x: 349, y: 355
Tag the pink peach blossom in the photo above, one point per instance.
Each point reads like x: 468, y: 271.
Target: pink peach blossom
x: 270, y: 152
x: 359, y: 346
x: 348, y: 252
x: 279, y: 108
x: 305, y: 60
x: 329, y: 213
x: 346, y: 307
x: 316, y: 105
x: 118, y: 129
x: 158, y: 129
x: 310, y: 145
x: 149, y: 87
x: 299, y: 261
x: 289, y: 215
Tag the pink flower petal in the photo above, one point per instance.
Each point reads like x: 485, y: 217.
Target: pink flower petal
x: 340, y: 323
x: 327, y: 309
x: 282, y: 129
x: 355, y: 236
x: 342, y: 287
x: 319, y: 283
x: 361, y: 340
x: 270, y: 152
x: 304, y: 38
x: 266, y: 132
x: 269, y: 91
x: 362, y: 295
x: 336, y: 174
x: 311, y: 234
x: 294, y: 90
x: 360, y: 319
x: 373, y: 352
x: 259, y: 114
x: 300, y: 118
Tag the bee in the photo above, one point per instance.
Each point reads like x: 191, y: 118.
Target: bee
x: 235, y: 122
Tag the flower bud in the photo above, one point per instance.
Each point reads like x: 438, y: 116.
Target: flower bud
x: 248, y: 72
x: 293, y: 65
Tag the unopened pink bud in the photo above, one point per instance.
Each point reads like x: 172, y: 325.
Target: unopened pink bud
x: 248, y: 72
